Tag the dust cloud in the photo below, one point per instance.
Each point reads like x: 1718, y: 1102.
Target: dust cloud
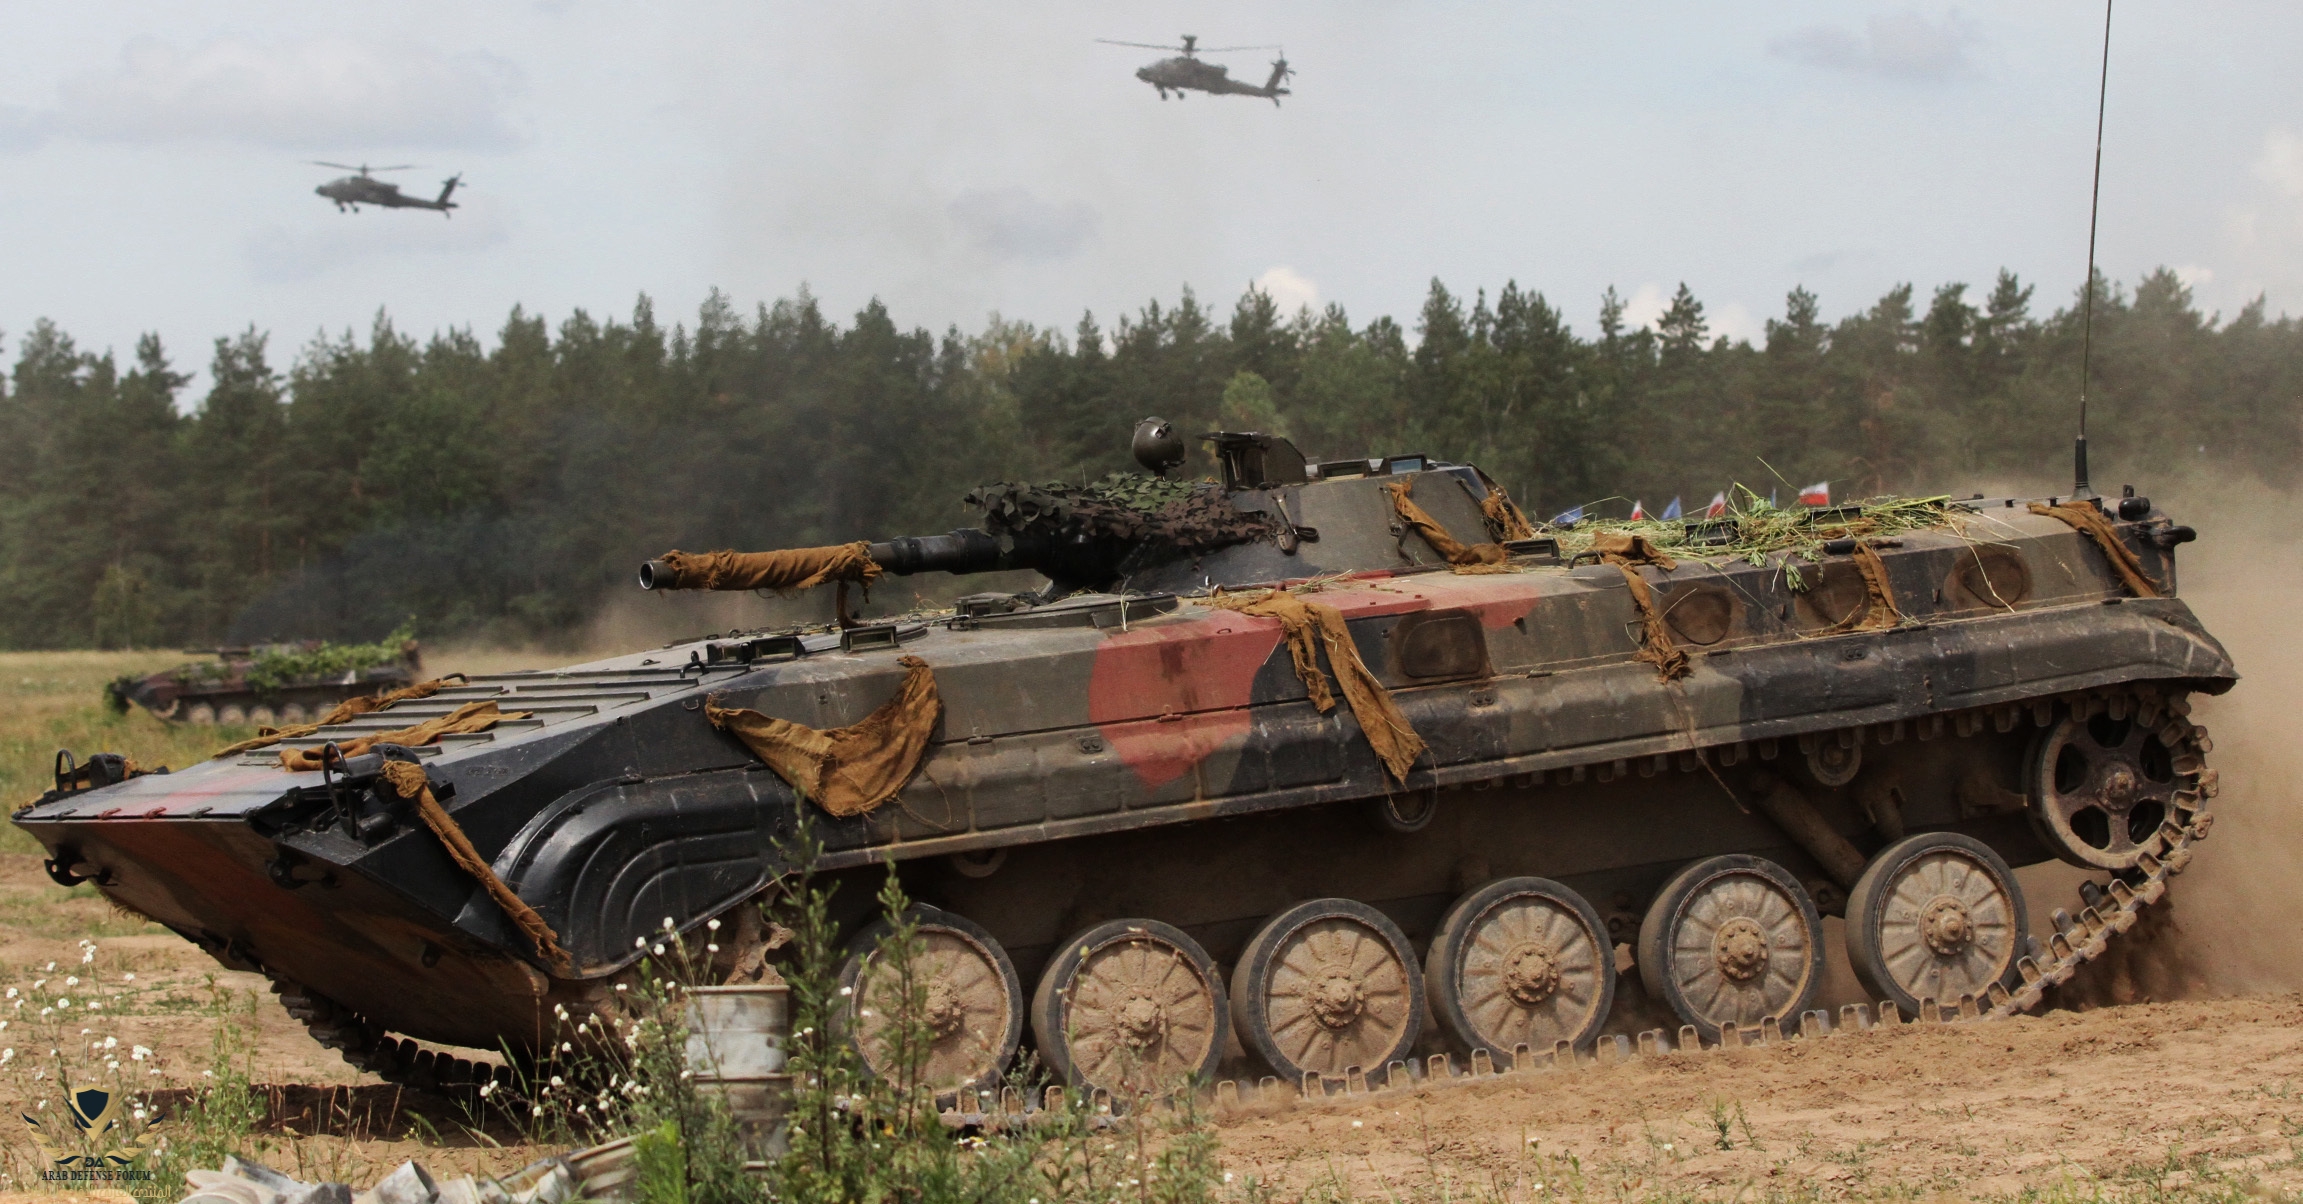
x: 2238, y: 914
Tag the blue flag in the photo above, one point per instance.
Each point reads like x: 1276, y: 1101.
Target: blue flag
x: 1568, y: 518
x: 1671, y: 511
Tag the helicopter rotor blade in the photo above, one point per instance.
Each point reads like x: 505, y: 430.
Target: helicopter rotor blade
x: 1230, y: 49
x: 337, y: 166
x: 1137, y: 45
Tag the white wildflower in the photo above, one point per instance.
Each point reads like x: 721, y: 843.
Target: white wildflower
x: 713, y: 925
x: 714, y: 948
x: 139, y: 1052
x: 623, y: 986
x: 642, y: 943
x: 63, y: 1003
x: 667, y: 923
x: 658, y: 951
x: 847, y: 990
x: 7, y: 1056
x: 112, y: 1064
x: 557, y: 1081
x: 95, y: 1006
x: 129, y: 977
x: 11, y: 992
x: 111, y: 1042
x: 71, y: 980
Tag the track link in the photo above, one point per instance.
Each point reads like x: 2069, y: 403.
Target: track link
x: 366, y: 1046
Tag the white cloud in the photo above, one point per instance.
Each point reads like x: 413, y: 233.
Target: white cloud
x: 1645, y: 306
x: 2193, y: 275
x: 1904, y: 44
x: 331, y: 95
x: 330, y: 241
x: 1289, y: 289
x: 1735, y: 322
x: 2280, y: 164
x: 1011, y: 223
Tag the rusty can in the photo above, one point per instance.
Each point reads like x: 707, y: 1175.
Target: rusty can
x: 735, y: 1050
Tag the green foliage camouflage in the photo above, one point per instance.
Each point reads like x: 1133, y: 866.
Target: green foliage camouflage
x: 501, y: 488
x: 281, y: 665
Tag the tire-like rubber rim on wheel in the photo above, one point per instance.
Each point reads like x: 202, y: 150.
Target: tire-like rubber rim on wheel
x: 930, y: 920
x: 1051, y: 1001
x: 1252, y: 983
x: 1666, y: 914
x: 1445, y: 963
x: 1868, y: 903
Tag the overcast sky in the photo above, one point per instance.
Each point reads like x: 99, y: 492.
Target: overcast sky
x: 955, y: 160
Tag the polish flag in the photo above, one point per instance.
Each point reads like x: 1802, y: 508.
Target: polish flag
x: 1718, y: 506
x: 1638, y: 511
x: 1671, y: 511
x: 1568, y: 518
x: 1818, y: 494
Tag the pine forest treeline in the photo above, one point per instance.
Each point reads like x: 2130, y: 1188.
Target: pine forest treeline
x: 500, y: 489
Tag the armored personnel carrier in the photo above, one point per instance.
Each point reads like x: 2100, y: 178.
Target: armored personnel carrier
x: 1338, y: 759
x: 269, y: 684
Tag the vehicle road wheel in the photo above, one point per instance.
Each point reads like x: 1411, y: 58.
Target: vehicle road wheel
x: 201, y: 714
x: 294, y: 712
x: 2099, y: 789
x: 1520, y: 961
x: 1732, y: 940
x: 262, y: 716
x: 1325, y: 986
x: 1134, y: 1007
x: 1935, y: 916
x: 974, y: 1005
x: 231, y: 713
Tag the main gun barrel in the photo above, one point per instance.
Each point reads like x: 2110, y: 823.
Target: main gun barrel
x: 962, y: 551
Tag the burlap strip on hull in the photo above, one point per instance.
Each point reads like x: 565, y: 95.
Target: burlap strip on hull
x: 2089, y: 521
x: 1466, y: 557
x: 1879, y: 611
x: 1387, y: 730
x: 1627, y: 552
x: 344, y: 711
x: 410, y: 783
x: 1509, y: 520
x: 848, y: 770
x: 464, y: 720
x: 787, y: 570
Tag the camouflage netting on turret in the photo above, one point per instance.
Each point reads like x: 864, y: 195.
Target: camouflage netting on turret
x: 1163, y: 519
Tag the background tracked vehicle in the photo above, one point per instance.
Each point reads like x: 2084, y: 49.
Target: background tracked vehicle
x: 270, y: 684
x: 1136, y: 832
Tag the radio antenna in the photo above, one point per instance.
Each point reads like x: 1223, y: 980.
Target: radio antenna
x: 2079, y: 489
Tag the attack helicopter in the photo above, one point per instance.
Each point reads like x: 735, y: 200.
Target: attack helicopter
x: 364, y: 188
x: 1187, y: 72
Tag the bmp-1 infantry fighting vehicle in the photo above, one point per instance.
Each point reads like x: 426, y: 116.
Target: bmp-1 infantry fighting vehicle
x: 269, y: 684
x: 1338, y: 758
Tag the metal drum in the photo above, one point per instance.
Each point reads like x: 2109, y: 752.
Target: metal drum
x: 736, y: 1050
